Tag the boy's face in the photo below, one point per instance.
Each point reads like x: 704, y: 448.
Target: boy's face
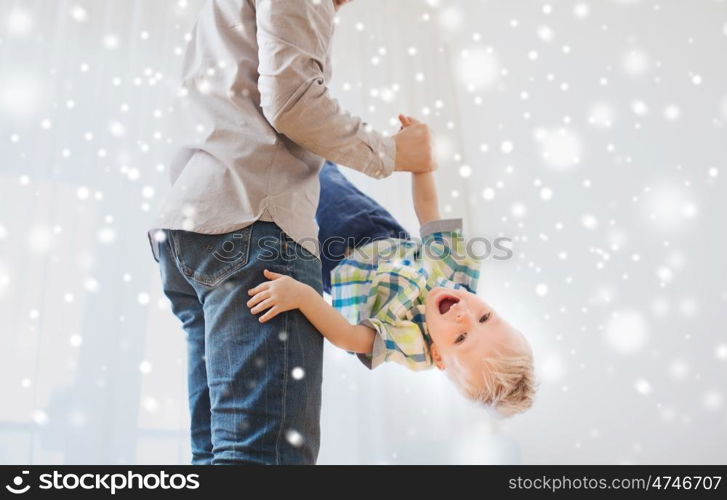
x: 465, y: 329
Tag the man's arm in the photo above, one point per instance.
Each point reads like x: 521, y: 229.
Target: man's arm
x: 284, y: 293
x: 293, y: 41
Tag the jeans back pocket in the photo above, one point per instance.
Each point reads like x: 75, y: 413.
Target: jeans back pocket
x: 209, y: 259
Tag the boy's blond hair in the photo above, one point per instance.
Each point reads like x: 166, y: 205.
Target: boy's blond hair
x: 507, y: 385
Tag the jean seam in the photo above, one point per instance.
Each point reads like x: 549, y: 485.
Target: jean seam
x: 286, y: 317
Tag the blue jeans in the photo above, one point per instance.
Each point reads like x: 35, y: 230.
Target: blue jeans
x: 254, y: 388
x: 347, y: 218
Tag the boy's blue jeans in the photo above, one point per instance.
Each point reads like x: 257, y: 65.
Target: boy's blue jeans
x: 347, y: 218
x: 246, y: 406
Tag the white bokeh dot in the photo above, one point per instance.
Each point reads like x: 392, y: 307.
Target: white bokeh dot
x: 560, y: 148
x: 295, y: 438
x: 19, y: 22
x: 636, y: 62
x: 477, y: 69
x: 488, y: 194
x: 627, y: 331
x: 642, y: 386
x: 581, y: 10
x: 79, y: 14
x: 712, y: 400
x: 298, y: 373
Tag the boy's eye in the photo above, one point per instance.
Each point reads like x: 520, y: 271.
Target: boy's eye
x: 461, y: 338
x: 485, y: 317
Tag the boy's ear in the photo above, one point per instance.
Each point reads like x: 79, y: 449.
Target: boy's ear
x: 436, y: 357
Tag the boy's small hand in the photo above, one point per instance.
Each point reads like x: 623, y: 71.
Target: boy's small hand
x: 282, y: 293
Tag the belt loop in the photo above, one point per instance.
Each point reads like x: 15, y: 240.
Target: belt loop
x: 284, y: 240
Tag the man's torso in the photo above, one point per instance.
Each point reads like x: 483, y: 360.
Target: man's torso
x: 231, y: 167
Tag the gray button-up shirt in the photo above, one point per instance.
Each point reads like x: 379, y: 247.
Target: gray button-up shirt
x: 257, y: 120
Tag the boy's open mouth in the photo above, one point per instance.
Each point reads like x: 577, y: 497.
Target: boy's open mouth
x: 446, y: 302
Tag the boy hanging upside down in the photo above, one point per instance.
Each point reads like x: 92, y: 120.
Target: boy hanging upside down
x: 411, y: 302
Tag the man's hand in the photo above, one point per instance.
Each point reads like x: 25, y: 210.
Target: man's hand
x: 414, y: 147
x: 337, y: 4
x: 424, y: 187
x: 282, y: 293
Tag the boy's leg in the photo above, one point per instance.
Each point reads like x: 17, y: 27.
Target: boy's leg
x: 347, y: 219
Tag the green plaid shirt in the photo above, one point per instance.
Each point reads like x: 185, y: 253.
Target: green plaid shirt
x: 383, y: 285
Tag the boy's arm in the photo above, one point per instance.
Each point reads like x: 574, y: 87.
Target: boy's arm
x: 283, y: 293
x: 424, y: 193
x: 423, y: 187
x: 334, y: 327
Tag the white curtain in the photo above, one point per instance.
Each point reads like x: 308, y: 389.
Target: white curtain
x: 592, y: 133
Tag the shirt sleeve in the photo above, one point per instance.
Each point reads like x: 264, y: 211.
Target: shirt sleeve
x: 401, y: 342
x: 448, y: 254
x: 294, y: 42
